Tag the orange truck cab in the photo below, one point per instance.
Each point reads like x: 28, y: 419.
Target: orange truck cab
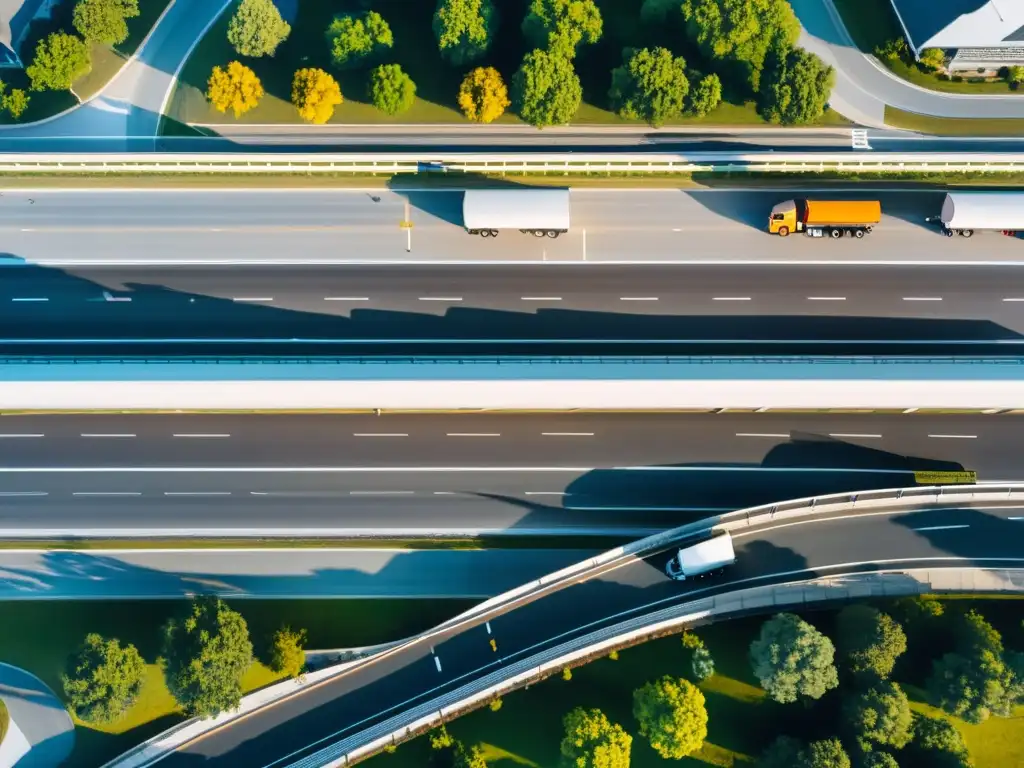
x: 825, y: 218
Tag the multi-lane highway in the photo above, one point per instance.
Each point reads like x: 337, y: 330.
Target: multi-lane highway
x: 296, y: 227
x: 281, y: 734
x: 360, y: 474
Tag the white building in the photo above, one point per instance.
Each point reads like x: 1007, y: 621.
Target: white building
x: 978, y: 33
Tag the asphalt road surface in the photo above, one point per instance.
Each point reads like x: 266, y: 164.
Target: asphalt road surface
x: 296, y: 227
x: 615, y: 474
x: 273, y: 573
x: 282, y: 734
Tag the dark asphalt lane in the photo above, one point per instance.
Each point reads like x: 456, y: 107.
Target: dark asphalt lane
x: 389, y: 474
x: 279, y: 735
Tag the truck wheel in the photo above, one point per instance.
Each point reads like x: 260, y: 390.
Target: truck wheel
x: 949, y: 233
x: 537, y: 232
x: 552, y: 233
x: 967, y: 232
x: 783, y: 231
x: 494, y: 233
x: 835, y: 233
x: 473, y: 231
x: 485, y: 233
x: 858, y: 233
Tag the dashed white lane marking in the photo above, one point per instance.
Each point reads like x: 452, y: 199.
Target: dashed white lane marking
x: 252, y: 298
x: 473, y: 434
x: 381, y: 493
x: 540, y: 298
x: 922, y: 298
x: 1014, y: 299
x: 545, y: 493
x: 955, y: 437
x: 4, y: 437
x: 762, y: 434
x: 826, y: 298
x: 437, y: 662
x: 567, y: 434
x: 197, y: 493
x: 101, y: 434
x: 1015, y: 518
x: 107, y: 493
x: 30, y: 298
x: 941, y: 527
x: 731, y: 298
x: 380, y: 434
x: 638, y: 298
x: 202, y: 434
x: 346, y: 298
x: 24, y: 493
x: 853, y: 434
x: 440, y: 298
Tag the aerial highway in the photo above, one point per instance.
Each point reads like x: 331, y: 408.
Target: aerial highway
x: 308, y: 227
x: 459, y: 474
x: 298, y: 726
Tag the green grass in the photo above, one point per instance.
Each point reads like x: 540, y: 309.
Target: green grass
x: 437, y: 82
x: 49, y: 631
x: 106, y: 61
x: 953, y: 126
x: 5, y: 720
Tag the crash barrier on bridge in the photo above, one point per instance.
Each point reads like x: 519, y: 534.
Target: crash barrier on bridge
x: 556, y: 383
x: 565, y: 163
x: 876, y: 501
x: 751, y: 601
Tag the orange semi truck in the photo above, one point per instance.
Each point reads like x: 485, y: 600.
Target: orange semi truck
x: 825, y: 218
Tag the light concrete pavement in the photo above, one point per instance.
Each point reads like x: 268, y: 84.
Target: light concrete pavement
x: 273, y: 573
x: 42, y: 723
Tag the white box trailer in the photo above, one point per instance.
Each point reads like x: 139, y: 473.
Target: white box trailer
x: 964, y: 213
x: 702, y: 559
x: 539, y: 212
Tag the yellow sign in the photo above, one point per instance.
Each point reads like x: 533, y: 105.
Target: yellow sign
x: 946, y: 478
x: 405, y: 224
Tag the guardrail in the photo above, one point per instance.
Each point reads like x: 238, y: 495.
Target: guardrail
x: 545, y: 163
x: 891, y: 499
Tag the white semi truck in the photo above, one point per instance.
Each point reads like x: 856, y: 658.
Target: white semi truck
x: 964, y: 213
x: 702, y: 559
x: 538, y: 212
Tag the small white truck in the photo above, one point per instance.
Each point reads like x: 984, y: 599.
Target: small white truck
x: 964, y: 213
x: 702, y: 559
x: 534, y: 211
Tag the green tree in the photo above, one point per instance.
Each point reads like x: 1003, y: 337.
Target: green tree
x: 869, y: 641
x: 234, y: 87
x: 315, y: 94
x: 651, y: 85
x: 791, y: 658
x: 783, y: 752
x: 60, y: 59
x: 561, y: 26
x: 1015, y: 75
x: 895, y: 49
x: 470, y: 758
x: 104, y: 21
x: 740, y: 33
x: 464, y: 29
x: 827, y: 753
x: 206, y: 652
x: 671, y: 715
x: 877, y: 760
x: 15, y: 103
x: 880, y: 716
x: 356, y: 40
x: 705, y: 96
x: 103, y: 679
x: 546, y: 90
x: 933, y: 58
x: 592, y: 741
x: 257, y: 28
x: 702, y: 665
x: 392, y: 91
x: 483, y: 96
x: 286, y: 652
x: 937, y: 744
x: 795, y: 88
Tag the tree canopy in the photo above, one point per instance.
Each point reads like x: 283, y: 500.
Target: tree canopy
x: 286, y: 652
x: 392, y: 91
x: 795, y: 87
x: 59, y: 60
x: 878, y: 760
x: 651, y: 85
x: 104, y: 21
x: 483, y: 95
x: 357, y: 39
x: 561, y: 26
x: 14, y: 102
x: 880, y: 716
x: 740, y: 33
x: 103, y: 679
x: 234, y: 87
x: 787, y: 752
x: 593, y: 741
x: 257, y: 28
x: 546, y: 89
x: 937, y: 744
x: 464, y: 29
x: 315, y: 94
x: 705, y: 95
x: 206, y: 652
x: 671, y: 715
x: 869, y: 641
x: 791, y: 659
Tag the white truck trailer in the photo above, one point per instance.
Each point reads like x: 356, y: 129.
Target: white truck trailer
x: 539, y: 212
x: 964, y: 213
x: 702, y: 559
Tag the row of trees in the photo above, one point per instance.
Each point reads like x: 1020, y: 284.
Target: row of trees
x: 206, y: 652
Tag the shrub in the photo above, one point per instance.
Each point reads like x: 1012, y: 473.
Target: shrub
x: 103, y: 679
x: 286, y: 652
x: 392, y: 91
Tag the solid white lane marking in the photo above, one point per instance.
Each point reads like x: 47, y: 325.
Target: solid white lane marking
x: 940, y: 527
x: 826, y: 298
x: 24, y: 493
x: 567, y: 434
x: 381, y: 493
x: 545, y: 493
x: 100, y: 434
x: 473, y: 434
x: 197, y: 493
x: 852, y: 434
x: 23, y: 435
x: 731, y: 298
x: 955, y: 437
x: 922, y: 298
x: 252, y: 298
x: 30, y: 298
x: 762, y: 434
x: 346, y: 298
x: 201, y: 434
x: 440, y: 298
x: 638, y: 298
x: 540, y: 298
x: 380, y: 434
x: 107, y: 493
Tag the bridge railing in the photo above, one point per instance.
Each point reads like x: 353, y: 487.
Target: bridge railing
x: 875, y: 501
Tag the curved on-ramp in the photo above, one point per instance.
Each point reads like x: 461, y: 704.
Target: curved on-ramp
x: 610, y: 599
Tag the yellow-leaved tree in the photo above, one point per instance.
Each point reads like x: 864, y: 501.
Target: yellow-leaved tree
x: 483, y: 95
x: 315, y: 94
x: 234, y: 87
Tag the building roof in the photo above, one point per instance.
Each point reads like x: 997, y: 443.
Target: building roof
x: 962, y: 23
